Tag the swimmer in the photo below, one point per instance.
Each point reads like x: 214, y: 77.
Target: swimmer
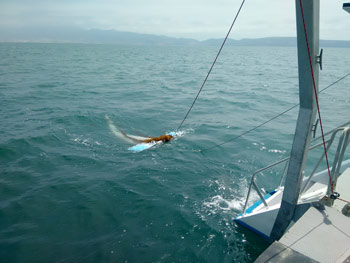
x: 164, y: 138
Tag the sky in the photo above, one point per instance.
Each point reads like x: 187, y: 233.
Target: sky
x: 198, y: 19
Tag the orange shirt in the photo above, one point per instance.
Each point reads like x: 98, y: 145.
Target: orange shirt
x: 164, y: 138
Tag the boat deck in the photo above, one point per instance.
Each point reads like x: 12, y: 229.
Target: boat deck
x: 322, y: 234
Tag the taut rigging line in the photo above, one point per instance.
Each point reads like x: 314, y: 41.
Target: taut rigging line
x: 265, y: 122
x: 212, y: 66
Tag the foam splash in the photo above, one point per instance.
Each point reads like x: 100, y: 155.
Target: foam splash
x: 220, y: 203
x: 180, y: 133
x: 85, y: 141
x: 277, y: 151
x: 263, y: 148
x: 226, y: 201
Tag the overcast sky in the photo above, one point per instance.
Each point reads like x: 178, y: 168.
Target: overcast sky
x: 199, y: 19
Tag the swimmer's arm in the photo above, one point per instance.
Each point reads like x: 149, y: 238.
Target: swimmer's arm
x: 133, y: 139
x: 149, y: 140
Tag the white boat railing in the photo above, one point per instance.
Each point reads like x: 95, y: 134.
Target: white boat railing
x: 344, y: 140
x: 339, y: 156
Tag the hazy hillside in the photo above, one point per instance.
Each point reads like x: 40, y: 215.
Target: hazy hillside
x: 60, y: 35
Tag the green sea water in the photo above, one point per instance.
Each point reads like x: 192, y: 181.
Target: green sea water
x: 70, y: 191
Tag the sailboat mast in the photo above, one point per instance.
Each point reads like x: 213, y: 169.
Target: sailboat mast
x: 307, y: 110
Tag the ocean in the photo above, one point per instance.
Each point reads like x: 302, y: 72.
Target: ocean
x: 71, y: 191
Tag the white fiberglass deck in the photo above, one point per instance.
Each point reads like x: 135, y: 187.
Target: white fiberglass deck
x: 321, y: 235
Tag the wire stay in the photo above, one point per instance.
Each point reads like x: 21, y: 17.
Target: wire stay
x: 212, y: 66
x: 269, y: 120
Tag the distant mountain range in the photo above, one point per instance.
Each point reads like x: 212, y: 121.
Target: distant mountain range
x: 96, y: 36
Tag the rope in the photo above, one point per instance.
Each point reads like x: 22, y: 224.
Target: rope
x: 316, y: 97
x: 248, y: 131
x: 343, y: 200
x: 273, y: 118
x: 212, y: 66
